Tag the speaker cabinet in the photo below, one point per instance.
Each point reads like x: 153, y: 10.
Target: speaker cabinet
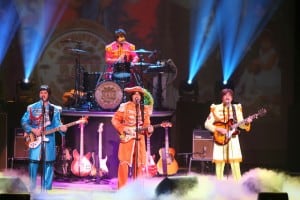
x: 13, y: 188
x: 273, y: 196
x: 202, y: 145
x: 3, y: 141
x: 178, y: 185
x: 20, y: 148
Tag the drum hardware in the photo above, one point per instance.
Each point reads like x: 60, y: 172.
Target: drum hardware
x: 77, y: 51
x: 142, y: 51
x: 122, y: 72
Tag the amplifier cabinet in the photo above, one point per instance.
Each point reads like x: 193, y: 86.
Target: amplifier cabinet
x: 20, y: 148
x: 202, y: 145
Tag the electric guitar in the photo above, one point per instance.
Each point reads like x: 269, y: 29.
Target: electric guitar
x: 151, y: 169
x: 223, y: 139
x: 81, y: 165
x: 131, y: 131
x: 167, y: 165
x: 33, y: 141
x: 102, y: 161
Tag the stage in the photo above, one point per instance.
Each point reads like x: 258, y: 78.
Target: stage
x: 255, y: 184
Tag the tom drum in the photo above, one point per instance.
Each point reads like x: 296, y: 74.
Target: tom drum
x: 108, y: 95
x: 122, y: 72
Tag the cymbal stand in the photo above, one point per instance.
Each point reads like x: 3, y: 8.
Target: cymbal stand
x: 138, y: 76
x: 78, y: 80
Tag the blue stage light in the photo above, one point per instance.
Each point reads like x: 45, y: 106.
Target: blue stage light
x: 34, y: 37
x: 9, y: 24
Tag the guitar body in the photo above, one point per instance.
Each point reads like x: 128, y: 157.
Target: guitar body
x: 151, y: 168
x: 33, y: 141
x: 102, y: 166
x: 222, y: 139
x: 167, y: 165
x: 81, y: 165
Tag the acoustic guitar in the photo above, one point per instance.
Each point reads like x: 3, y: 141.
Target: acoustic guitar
x: 167, y: 165
x: 81, y: 164
x: 223, y: 139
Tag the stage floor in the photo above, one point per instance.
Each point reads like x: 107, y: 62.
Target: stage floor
x: 185, y: 186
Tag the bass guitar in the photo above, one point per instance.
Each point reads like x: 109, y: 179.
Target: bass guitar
x: 33, y: 141
x: 223, y: 139
x: 131, y: 131
x: 167, y: 165
x: 81, y: 164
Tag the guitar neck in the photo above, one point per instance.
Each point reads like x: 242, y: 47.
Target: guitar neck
x: 57, y: 128
x: 254, y: 116
x: 166, y: 139
x: 145, y: 128
x: 81, y: 140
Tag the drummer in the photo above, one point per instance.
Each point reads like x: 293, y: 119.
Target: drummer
x: 119, y: 52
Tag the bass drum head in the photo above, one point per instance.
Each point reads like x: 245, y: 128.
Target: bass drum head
x: 108, y: 95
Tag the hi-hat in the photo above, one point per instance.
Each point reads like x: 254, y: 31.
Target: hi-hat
x: 78, y: 51
x: 142, y: 51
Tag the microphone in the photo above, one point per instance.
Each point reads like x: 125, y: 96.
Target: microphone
x: 43, y: 110
x: 137, y: 101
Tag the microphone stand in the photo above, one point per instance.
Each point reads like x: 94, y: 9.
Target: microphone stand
x: 136, y: 139
x: 43, y: 147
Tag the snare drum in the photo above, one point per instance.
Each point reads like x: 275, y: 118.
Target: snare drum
x: 122, y: 72
x: 108, y: 95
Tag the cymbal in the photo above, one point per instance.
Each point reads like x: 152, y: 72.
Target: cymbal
x: 142, y: 51
x: 141, y: 64
x: 69, y: 40
x: 78, y: 51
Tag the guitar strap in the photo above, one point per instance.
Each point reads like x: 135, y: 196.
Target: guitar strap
x: 51, y: 112
x: 234, y: 113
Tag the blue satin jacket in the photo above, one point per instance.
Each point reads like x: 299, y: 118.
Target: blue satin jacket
x: 33, y: 118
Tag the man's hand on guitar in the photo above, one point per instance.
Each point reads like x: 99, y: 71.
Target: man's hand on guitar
x: 150, y: 129
x: 63, y: 128
x: 223, y: 131
x: 36, y: 131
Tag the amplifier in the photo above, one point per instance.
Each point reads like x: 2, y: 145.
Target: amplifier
x: 20, y: 148
x: 202, y: 145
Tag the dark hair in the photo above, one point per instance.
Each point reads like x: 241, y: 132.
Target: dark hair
x: 225, y: 91
x: 119, y: 32
x: 45, y: 87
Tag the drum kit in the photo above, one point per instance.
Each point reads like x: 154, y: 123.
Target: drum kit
x: 105, y: 90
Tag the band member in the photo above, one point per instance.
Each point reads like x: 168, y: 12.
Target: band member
x: 119, y: 52
x: 125, y: 120
x: 42, y: 116
x: 227, y: 150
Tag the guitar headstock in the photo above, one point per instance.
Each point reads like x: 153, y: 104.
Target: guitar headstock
x: 166, y: 124
x: 261, y: 112
x: 100, y: 127
x: 83, y: 120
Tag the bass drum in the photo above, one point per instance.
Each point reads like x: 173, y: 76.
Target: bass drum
x: 108, y: 95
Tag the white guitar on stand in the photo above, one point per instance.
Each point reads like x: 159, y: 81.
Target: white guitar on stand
x: 102, y: 162
x: 151, y: 169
